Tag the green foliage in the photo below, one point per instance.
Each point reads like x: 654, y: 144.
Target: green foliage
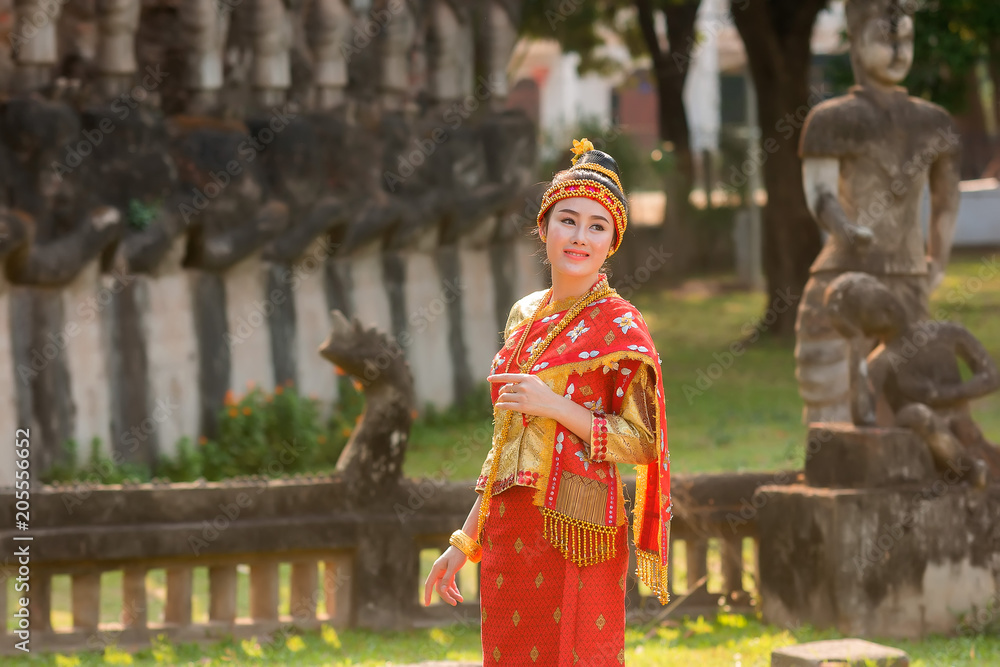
x: 952, y: 36
x: 271, y: 435
x: 259, y: 434
x: 98, y: 469
x: 575, y: 25
x: 141, y: 215
x: 638, y: 169
x: 476, y: 405
x: 185, y: 466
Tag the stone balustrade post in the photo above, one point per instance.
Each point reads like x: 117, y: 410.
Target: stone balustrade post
x: 330, y: 25
x: 34, y: 42
x: 179, y: 592
x: 117, y: 24
x: 86, y: 601
x: 205, y: 24
x: 272, y: 40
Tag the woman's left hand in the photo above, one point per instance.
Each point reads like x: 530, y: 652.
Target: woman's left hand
x: 527, y: 394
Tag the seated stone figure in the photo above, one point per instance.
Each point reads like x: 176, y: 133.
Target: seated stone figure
x: 912, y: 378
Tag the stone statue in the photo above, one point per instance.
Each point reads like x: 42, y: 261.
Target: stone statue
x: 61, y: 233
x: 227, y: 210
x: 373, y: 458
x: 913, y: 376
x: 866, y: 157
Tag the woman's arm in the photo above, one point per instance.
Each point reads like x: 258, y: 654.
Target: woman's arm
x: 442, y: 575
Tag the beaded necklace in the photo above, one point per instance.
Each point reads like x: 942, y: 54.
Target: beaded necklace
x: 498, y: 443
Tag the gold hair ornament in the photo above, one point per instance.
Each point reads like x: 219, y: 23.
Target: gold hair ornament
x: 581, y: 146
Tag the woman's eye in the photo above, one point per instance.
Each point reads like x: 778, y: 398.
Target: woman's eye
x: 598, y: 227
x: 570, y: 221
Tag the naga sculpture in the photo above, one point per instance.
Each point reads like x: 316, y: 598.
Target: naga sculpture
x: 373, y: 458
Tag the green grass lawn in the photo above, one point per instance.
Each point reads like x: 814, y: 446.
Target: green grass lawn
x: 749, y: 418
x: 726, y: 641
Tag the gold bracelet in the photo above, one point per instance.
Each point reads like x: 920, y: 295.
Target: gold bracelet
x: 468, y: 546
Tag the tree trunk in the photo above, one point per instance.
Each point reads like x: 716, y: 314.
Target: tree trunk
x: 993, y: 64
x: 777, y: 34
x: 670, y: 68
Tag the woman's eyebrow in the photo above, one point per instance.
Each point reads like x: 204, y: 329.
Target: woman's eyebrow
x: 569, y: 210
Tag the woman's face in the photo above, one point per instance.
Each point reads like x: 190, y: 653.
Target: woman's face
x: 579, y: 236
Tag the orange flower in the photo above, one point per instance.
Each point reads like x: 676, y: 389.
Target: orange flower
x: 230, y: 398
x: 357, y: 385
x: 413, y: 414
x: 289, y: 383
x: 321, y: 439
x: 279, y: 390
x: 233, y: 412
x: 202, y: 440
x: 339, y: 370
x: 346, y: 432
x: 247, y: 410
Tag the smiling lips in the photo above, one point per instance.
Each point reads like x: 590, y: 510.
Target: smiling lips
x: 576, y: 254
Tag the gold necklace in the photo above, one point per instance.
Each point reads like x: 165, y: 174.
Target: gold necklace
x: 575, y: 309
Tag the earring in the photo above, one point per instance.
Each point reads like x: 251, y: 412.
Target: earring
x: 542, y: 238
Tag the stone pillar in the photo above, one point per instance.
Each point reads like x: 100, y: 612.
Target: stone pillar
x: 371, y: 296
x: 34, y: 42
x: 330, y: 26
x: 425, y: 339
x: 502, y: 39
x: 248, y: 307
x: 117, y: 24
x: 478, y: 299
x: 9, y: 384
x: 87, y: 321
x: 173, y: 358
x: 395, y: 80
x: 271, y: 75
x: 177, y: 610
x: 205, y: 24
x: 311, y: 325
x: 452, y: 56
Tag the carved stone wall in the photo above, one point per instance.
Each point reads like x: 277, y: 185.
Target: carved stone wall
x: 191, y: 187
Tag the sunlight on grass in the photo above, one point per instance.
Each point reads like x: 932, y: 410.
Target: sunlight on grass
x: 724, y: 641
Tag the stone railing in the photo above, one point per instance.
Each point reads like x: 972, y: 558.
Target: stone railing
x: 358, y: 562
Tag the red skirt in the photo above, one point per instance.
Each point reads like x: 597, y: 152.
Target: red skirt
x: 540, y: 608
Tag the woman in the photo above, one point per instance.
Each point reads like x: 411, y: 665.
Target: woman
x: 576, y: 389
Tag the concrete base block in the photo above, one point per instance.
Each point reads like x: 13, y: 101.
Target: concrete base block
x: 902, y: 561
x: 840, y: 652
x: 845, y: 456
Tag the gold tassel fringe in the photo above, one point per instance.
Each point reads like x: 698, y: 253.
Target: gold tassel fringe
x: 652, y: 573
x: 582, y: 542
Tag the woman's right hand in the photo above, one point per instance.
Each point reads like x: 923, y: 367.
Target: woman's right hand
x: 442, y: 577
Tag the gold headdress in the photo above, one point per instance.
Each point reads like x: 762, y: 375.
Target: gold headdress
x: 585, y: 186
